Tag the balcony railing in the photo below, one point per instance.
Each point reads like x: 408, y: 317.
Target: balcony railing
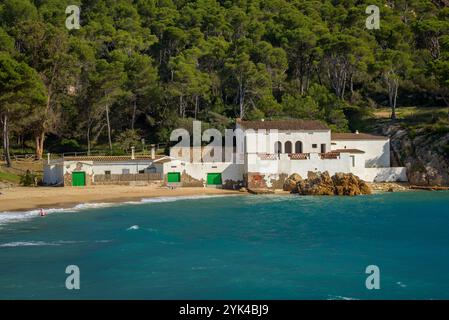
x: 330, y: 155
x: 299, y: 156
x: 268, y: 156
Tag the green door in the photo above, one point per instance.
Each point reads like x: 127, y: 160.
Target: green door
x: 173, y: 177
x: 78, y: 179
x: 214, y: 178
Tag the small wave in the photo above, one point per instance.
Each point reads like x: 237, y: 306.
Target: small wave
x: 94, y: 205
x: 27, y: 244
x: 37, y: 243
x: 341, y: 298
x: 399, y: 283
x: 135, y: 227
x: 9, y: 216
x: 199, y: 268
x: 44, y: 243
x: 6, y: 216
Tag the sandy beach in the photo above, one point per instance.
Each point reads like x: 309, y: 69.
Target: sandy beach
x: 25, y: 198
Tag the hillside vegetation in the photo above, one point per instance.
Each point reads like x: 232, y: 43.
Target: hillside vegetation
x: 136, y: 69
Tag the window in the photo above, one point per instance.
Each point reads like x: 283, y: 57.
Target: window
x: 314, y: 146
x: 107, y: 172
x: 298, y: 147
x: 353, y: 160
x: 142, y: 171
x: 288, y: 147
x: 278, y: 147
x: 125, y: 171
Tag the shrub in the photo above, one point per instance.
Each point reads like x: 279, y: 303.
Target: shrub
x: 28, y: 179
x: 128, y: 139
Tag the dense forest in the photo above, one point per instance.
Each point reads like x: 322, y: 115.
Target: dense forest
x: 136, y: 69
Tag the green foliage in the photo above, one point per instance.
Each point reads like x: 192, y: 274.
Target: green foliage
x: 128, y: 139
x: 28, y: 179
x: 69, y: 145
x: 10, y: 177
x: 153, y: 66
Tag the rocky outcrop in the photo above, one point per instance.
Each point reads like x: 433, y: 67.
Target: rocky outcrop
x: 424, y: 154
x: 260, y: 191
x: 317, y: 184
x: 291, y: 182
x: 347, y: 184
x: 344, y: 184
x: 388, y: 186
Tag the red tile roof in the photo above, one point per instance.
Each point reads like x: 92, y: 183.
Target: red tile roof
x: 348, y: 151
x: 293, y: 124
x: 110, y: 158
x: 356, y: 136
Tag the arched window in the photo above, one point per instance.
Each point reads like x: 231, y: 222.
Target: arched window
x: 288, y: 147
x: 278, y: 147
x: 298, y: 147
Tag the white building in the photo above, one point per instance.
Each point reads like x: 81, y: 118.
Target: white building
x: 90, y: 170
x: 270, y: 152
x: 300, y: 146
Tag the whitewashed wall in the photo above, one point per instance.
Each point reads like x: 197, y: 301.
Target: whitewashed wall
x: 377, y: 152
x: 86, y: 166
x: 287, y: 166
x: 118, y: 167
x: 259, y: 142
x: 383, y: 174
x: 198, y: 171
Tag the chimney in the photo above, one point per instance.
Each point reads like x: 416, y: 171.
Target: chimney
x: 132, y: 154
x: 153, y: 151
x: 356, y: 131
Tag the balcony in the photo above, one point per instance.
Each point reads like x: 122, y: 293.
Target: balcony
x: 299, y: 156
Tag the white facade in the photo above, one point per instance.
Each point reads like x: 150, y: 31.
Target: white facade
x: 271, y: 151
x: 55, y: 171
x: 377, y: 152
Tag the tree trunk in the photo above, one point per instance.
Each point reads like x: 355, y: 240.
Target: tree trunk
x: 241, y: 100
x: 6, y: 141
x: 134, y: 115
x: 196, y: 106
x: 39, y: 138
x: 88, y: 138
x: 394, y: 98
x: 109, y: 128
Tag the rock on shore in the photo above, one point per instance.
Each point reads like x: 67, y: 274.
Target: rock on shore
x: 317, y: 183
x: 291, y: 182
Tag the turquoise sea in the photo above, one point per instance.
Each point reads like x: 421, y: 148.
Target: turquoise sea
x: 232, y: 247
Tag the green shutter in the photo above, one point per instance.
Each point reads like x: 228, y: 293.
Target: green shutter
x: 174, y: 177
x: 78, y: 179
x: 214, y: 178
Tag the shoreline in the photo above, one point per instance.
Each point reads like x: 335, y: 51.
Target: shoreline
x: 19, y: 199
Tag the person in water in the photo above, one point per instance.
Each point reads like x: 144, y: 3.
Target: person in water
x: 43, y: 213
